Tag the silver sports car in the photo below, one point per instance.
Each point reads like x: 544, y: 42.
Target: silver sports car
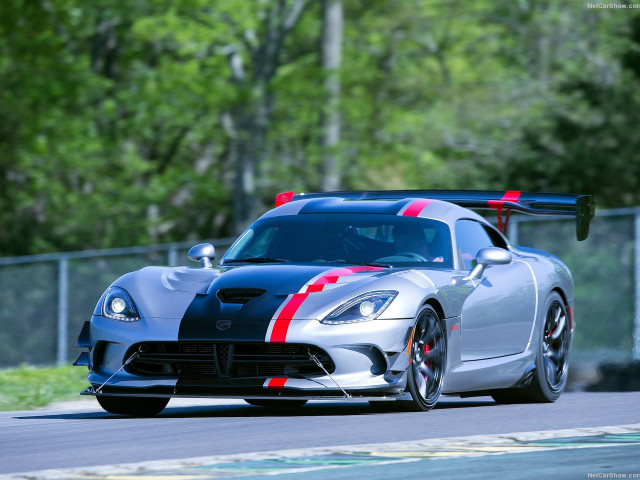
x: 394, y: 297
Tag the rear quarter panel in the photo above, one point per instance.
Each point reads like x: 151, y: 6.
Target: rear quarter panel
x: 550, y: 274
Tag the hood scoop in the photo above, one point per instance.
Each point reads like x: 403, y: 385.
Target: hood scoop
x: 239, y: 295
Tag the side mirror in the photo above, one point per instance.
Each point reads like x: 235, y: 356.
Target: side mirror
x: 203, y: 253
x: 488, y: 256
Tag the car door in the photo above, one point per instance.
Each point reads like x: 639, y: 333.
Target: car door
x: 498, y: 315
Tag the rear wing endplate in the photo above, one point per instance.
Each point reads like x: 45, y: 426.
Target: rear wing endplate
x: 582, y: 207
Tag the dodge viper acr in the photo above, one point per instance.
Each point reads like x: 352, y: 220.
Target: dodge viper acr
x: 382, y: 296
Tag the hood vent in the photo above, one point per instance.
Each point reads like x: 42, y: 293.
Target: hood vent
x: 239, y: 295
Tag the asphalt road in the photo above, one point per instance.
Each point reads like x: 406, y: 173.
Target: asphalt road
x: 87, y: 436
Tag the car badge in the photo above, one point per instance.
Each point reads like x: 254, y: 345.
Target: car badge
x: 223, y: 324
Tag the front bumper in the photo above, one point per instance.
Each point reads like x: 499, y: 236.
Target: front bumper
x: 367, y: 359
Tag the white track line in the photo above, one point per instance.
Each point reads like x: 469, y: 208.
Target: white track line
x: 476, y: 445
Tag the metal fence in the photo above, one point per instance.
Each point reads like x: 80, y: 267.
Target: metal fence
x: 606, y: 272
x: 44, y: 299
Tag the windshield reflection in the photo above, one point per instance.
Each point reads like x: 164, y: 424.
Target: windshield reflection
x: 361, y: 239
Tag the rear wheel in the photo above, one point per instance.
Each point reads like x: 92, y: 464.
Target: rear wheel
x: 428, y: 361
x: 133, y: 406
x: 259, y: 402
x: 552, y: 359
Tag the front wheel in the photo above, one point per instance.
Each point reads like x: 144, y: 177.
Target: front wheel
x: 133, y: 406
x: 428, y: 361
x: 552, y: 359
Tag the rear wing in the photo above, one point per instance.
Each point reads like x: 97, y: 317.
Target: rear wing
x: 582, y: 207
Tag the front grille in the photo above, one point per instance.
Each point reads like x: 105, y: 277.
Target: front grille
x: 195, y: 348
x: 239, y: 295
x: 230, y: 360
x: 222, y: 356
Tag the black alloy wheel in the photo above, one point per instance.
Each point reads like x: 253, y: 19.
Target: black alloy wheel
x: 555, y: 345
x: 428, y: 360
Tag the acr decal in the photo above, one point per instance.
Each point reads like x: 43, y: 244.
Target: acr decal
x: 277, y: 331
x: 455, y: 327
x: 415, y: 208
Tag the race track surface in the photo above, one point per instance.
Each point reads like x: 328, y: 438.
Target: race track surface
x: 85, y: 436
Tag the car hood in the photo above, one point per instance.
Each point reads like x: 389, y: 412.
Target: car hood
x: 240, y: 303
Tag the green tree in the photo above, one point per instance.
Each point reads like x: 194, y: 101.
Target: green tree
x: 133, y: 122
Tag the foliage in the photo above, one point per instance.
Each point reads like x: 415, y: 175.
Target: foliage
x: 126, y: 123
x: 27, y: 387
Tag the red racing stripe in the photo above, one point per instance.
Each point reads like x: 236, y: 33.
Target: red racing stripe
x: 276, y: 383
x: 414, y: 209
x: 319, y: 284
x: 333, y: 275
x: 509, y: 196
x: 283, y: 320
x: 279, y: 332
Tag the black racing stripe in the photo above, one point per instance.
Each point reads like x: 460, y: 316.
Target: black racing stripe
x: 248, y: 322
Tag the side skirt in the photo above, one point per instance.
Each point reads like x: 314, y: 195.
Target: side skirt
x: 492, y: 373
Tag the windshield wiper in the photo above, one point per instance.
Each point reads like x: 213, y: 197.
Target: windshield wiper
x: 256, y: 260
x: 364, y: 264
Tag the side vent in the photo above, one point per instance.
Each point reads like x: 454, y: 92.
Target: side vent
x: 239, y: 295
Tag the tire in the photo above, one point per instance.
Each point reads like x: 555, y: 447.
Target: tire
x: 133, y: 406
x: 552, y: 359
x: 258, y: 402
x: 428, y: 361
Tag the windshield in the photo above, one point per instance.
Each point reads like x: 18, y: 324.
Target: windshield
x: 346, y: 238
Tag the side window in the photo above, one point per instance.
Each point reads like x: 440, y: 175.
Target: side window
x: 496, y: 238
x: 471, y: 236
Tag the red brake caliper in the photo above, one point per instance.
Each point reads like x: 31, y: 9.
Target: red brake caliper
x: 425, y: 349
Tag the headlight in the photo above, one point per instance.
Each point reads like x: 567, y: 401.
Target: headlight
x: 361, y: 308
x: 118, y: 305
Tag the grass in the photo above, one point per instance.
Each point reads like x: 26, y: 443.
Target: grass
x: 27, y: 387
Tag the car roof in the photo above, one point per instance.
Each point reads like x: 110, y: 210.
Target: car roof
x: 417, y: 207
